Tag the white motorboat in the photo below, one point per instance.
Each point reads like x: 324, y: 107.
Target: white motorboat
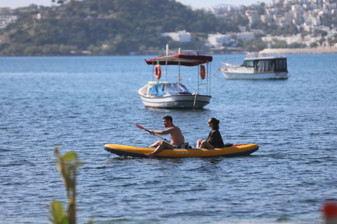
x: 257, y: 67
x: 164, y: 94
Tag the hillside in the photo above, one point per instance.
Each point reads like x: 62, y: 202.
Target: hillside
x: 106, y: 27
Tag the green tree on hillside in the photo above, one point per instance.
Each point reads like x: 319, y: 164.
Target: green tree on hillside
x: 104, y: 27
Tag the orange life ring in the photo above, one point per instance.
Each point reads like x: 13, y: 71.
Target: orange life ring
x: 157, y: 72
x: 202, y: 72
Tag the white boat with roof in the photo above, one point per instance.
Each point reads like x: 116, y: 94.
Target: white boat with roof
x: 257, y: 67
x: 164, y: 94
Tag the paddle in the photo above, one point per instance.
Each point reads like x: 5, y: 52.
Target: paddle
x: 141, y: 127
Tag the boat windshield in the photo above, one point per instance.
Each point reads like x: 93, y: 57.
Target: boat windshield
x: 248, y: 63
x: 161, y: 89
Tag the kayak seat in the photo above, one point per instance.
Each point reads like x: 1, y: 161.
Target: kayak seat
x: 182, y: 146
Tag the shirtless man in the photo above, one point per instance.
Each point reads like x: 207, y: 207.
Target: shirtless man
x: 177, y: 137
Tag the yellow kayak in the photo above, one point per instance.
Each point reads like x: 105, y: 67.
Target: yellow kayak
x: 234, y: 150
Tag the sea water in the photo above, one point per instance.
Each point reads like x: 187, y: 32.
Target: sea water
x: 81, y: 103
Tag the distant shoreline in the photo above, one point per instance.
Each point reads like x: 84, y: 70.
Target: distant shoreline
x: 317, y: 50
x: 275, y: 51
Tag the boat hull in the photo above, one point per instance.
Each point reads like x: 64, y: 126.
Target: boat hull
x: 195, y: 101
x: 231, y: 151
x: 255, y: 76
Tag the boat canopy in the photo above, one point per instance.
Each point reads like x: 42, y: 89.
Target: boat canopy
x: 180, y: 59
x: 161, y: 89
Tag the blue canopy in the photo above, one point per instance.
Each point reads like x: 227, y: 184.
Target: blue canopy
x: 161, y: 89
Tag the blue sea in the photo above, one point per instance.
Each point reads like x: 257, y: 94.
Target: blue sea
x: 81, y: 103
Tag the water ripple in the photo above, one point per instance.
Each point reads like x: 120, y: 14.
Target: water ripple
x: 85, y: 103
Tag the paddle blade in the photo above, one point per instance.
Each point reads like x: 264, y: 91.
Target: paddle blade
x: 140, y: 127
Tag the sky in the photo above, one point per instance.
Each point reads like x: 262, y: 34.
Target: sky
x: 192, y: 3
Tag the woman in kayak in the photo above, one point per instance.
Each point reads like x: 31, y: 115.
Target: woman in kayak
x: 214, y: 139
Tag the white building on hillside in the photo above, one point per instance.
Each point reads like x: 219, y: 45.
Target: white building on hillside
x: 218, y: 40
x: 245, y: 36
x: 180, y: 36
x: 6, y: 17
x: 298, y: 38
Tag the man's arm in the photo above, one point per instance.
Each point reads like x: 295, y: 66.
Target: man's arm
x: 162, y: 132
